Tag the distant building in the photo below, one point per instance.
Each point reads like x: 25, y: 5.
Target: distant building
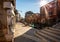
x: 18, y: 17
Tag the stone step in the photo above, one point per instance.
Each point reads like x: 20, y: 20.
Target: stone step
x: 51, y: 31
x: 54, y: 29
x: 46, y: 36
x: 41, y: 37
x: 51, y: 34
x: 56, y: 26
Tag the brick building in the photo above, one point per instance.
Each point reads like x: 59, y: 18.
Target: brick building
x: 58, y: 9
x: 49, y: 11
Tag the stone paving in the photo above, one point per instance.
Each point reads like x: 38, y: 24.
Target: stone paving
x: 28, y: 34
x: 24, y: 34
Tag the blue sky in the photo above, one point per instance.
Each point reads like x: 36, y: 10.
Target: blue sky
x: 27, y: 5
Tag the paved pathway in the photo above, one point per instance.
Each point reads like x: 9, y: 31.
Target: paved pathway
x: 27, y: 34
x: 24, y: 34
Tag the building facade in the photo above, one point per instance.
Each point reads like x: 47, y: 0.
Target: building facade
x: 49, y: 12
x: 58, y: 9
x: 7, y: 15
